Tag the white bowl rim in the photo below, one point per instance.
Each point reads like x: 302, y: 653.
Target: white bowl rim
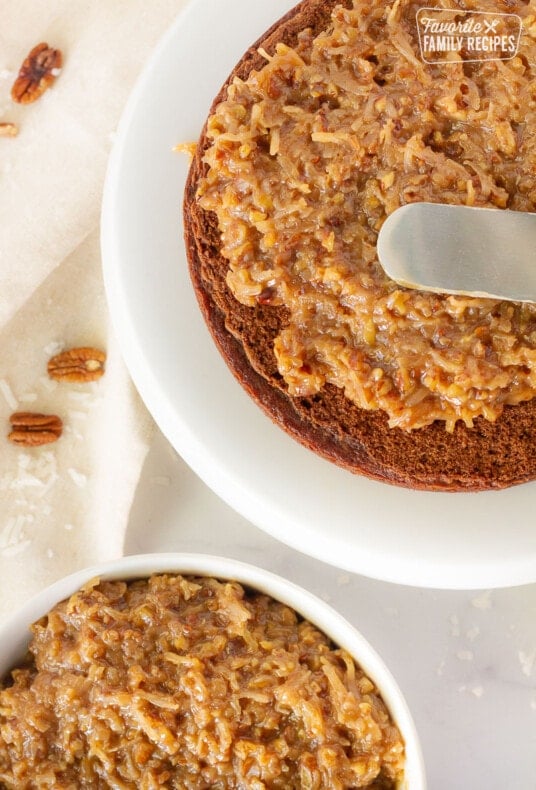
x: 14, y: 633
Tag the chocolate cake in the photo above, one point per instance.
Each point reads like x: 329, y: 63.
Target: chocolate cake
x: 419, y: 134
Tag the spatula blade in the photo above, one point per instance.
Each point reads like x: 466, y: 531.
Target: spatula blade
x: 461, y: 250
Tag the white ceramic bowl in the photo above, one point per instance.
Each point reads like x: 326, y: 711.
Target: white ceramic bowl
x: 14, y: 634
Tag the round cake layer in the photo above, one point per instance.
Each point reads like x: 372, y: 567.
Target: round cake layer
x: 487, y: 455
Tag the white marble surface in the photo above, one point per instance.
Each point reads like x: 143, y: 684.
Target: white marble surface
x: 466, y: 661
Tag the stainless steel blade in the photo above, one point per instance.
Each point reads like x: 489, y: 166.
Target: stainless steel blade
x: 461, y: 250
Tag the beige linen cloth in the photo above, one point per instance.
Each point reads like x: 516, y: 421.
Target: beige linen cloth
x: 64, y: 505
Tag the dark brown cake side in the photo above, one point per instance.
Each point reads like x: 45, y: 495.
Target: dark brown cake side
x: 487, y: 456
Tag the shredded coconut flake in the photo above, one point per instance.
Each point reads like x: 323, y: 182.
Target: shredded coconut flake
x: 482, y: 601
x: 527, y: 662
x: 26, y: 481
x: 17, y: 548
x: 53, y: 348
x: 7, y: 392
x: 472, y: 633
x: 465, y: 655
x: 476, y: 691
x: 38, y: 472
x: 28, y: 397
x: 262, y: 52
x: 454, y: 625
x: 12, y: 537
x: 77, y: 477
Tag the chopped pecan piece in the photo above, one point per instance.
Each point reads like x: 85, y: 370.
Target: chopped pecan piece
x: 266, y: 295
x: 32, y: 430
x: 8, y: 130
x: 77, y: 364
x: 36, y: 74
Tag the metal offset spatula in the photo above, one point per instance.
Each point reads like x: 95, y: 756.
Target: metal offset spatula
x: 461, y: 250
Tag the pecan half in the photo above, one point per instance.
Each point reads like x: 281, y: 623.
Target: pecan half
x: 36, y: 74
x: 77, y: 364
x: 8, y: 130
x: 32, y: 430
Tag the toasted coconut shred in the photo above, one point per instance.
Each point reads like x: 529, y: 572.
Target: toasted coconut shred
x: 308, y: 157
x: 190, y: 683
